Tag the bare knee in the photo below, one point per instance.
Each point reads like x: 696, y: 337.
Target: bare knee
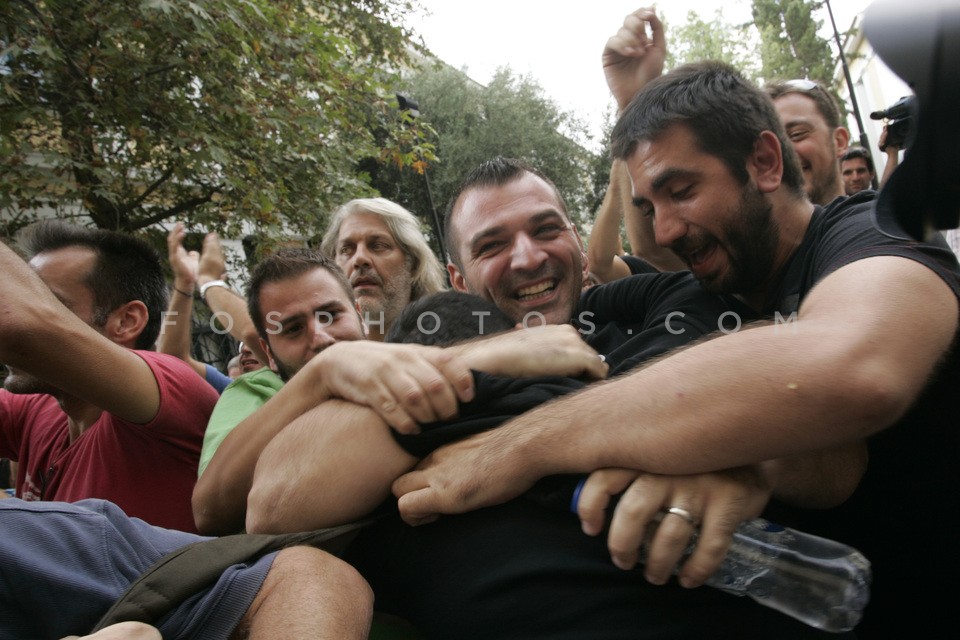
x: 317, y: 570
x: 309, y: 593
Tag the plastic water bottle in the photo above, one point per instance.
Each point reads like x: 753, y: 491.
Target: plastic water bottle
x: 821, y: 582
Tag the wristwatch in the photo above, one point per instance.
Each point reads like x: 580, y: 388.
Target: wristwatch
x: 212, y: 283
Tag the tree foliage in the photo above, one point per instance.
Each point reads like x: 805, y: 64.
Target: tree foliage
x: 790, y: 44
x: 218, y: 112
x: 510, y: 117
x: 697, y: 39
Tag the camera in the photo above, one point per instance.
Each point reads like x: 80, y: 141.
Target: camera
x: 899, y: 118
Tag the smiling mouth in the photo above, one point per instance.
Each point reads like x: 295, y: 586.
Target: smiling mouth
x: 536, y: 291
x: 697, y: 257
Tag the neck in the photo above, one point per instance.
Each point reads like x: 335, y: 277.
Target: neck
x: 81, y: 415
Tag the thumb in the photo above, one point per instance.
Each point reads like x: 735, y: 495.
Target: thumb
x: 412, y: 511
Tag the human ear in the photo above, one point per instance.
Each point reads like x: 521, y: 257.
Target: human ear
x: 765, y: 164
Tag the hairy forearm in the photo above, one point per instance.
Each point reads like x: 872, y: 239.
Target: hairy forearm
x: 692, y: 413
x: 331, y: 466
x: 846, y: 368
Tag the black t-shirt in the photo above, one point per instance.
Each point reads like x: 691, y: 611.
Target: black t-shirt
x: 525, y: 569
x: 904, y: 514
x: 633, y: 319
x: 638, y: 265
x: 628, y: 321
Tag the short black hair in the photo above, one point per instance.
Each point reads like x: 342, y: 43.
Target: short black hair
x: 492, y: 173
x: 725, y: 112
x: 448, y: 317
x: 127, y: 269
x: 857, y: 152
x: 286, y: 263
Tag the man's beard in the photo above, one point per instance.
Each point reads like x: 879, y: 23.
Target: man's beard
x: 396, y: 293
x: 821, y: 188
x: 750, y: 241
x: 22, y: 383
x: 283, y: 371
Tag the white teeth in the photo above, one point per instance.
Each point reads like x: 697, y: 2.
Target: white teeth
x: 534, y: 290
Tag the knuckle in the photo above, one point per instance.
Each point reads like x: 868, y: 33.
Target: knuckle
x: 414, y: 397
x: 436, y: 385
x: 620, y: 548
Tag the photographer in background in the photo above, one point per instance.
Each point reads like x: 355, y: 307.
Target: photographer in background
x: 893, y: 138
x: 892, y: 149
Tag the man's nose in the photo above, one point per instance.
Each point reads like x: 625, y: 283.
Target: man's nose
x: 526, y: 254
x: 361, y: 256
x: 668, y: 227
x: 320, y: 337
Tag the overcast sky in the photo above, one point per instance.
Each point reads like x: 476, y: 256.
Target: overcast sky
x: 559, y: 42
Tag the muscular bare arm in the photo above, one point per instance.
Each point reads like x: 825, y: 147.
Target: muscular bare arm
x: 850, y: 366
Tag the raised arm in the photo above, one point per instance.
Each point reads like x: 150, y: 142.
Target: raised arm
x: 604, y: 247
x: 893, y: 157
x: 865, y: 343
x: 230, y: 306
x: 631, y: 58
x: 175, y: 337
x: 634, y: 55
x: 41, y: 336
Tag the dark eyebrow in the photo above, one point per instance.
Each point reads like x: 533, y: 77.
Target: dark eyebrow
x: 660, y: 181
x: 797, y: 123
x: 483, y: 235
x: 332, y: 305
x: 534, y: 220
x: 546, y: 215
x: 670, y: 174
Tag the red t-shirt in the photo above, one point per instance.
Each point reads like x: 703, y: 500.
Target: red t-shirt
x: 147, y: 470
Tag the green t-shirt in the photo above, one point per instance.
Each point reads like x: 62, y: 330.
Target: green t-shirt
x: 242, y: 397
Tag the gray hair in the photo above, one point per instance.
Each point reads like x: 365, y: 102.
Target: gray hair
x: 428, y: 274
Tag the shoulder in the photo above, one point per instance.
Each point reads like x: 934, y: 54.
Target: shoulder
x: 181, y: 389
x: 261, y: 381
x: 847, y: 231
x: 649, y: 294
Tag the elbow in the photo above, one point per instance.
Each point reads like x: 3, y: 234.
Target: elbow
x: 209, y: 515
x: 879, y: 396
x: 265, y: 512
x: 202, y: 516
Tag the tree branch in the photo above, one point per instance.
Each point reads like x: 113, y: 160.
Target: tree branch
x: 186, y: 205
x: 149, y: 190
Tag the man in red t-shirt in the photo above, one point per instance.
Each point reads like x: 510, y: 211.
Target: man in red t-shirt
x: 89, y: 410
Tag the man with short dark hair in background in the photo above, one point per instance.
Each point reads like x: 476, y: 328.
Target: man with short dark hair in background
x: 856, y: 167
x: 89, y: 410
